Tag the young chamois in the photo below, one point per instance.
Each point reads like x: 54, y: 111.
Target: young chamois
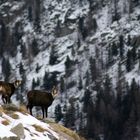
x: 41, y: 98
x: 8, y: 89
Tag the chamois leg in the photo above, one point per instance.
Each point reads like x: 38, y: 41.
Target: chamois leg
x: 42, y: 111
x: 46, y: 110
x: 4, y: 99
x: 30, y: 109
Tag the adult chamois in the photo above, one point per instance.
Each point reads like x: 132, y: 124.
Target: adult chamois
x: 41, y: 98
x: 8, y: 89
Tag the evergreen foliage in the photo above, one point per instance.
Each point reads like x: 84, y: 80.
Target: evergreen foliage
x: 113, y: 118
x: 53, y: 56
x: 58, y: 113
x: 62, y: 85
x: 121, y: 46
x: 37, y: 68
x: 37, y: 15
x: 35, y: 83
x: 34, y: 48
x: 68, y: 66
x: 93, y: 69
x: 80, y: 84
x: 69, y: 116
x: 114, y: 49
x: 129, y: 61
x: 21, y: 69
x: 50, y: 80
x: 2, y: 37
x: 30, y: 16
x: 23, y: 50
x: 6, y: 68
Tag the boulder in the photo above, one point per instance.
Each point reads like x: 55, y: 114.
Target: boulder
x: 19, y: 131
x: 10, y: 138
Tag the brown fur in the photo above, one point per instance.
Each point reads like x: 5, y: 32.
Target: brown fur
x: 40, y: 98
x: 7, y: 90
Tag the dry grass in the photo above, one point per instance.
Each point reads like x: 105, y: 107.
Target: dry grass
x: 14, y: 116
x: 39, y: 117
x: 39, y: 128
x: 1, y: 109
x: 61, y: 129
x: 10, y: 107
x: 23, y: 109
x: 5, y: 122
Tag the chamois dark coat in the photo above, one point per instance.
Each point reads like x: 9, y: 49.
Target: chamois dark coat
x: 40, y: 98
x: 7, y: 90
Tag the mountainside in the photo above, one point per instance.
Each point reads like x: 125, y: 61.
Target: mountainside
x: 17, y: 124
x: 89, y: 49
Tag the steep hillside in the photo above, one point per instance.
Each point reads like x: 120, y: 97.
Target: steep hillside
x: 88, y: 48
x: 17, y: 124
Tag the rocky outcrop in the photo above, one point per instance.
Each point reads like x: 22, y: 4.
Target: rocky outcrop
x: 10, y: 138
x: 65, y: 133
x: 19, y: 131
x: 136, y: 41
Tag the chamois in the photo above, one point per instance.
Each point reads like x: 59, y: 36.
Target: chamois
x: 8, y: 89
x: 41, y: 98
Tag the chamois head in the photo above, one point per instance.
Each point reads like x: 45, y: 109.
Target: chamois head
x: 54, y: 91
x: 17, y: 83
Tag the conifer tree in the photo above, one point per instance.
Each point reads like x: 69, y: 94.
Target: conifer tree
x: 88, y: 80
x: 80, y: 84
x: 121, y: 46
x: 129, y: 61
x: 52, y: 78
x: 68, y: 66
x: 2, y: 37
x: 6, y: 68
x: 107, y: 90
x: 30, y: 16
x: 65, y: 115
x: 58, y: 113
x: 34, y: 47
x: 37, y: 15
x: 93, y: 69
x: 114, y: 49
x: 134, y: 54
x: 23, y: 50
x: 45, y: 80
x: 21, y: 69
x: 71, y: 115
x: 130, y: 126
x: 53, y: 56
x: 33, y: 83
x: 62, y: 84
x: 37, y: 68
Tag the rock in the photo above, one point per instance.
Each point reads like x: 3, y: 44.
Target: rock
x: 136, y: 41
x: 19, y: 131
x: 63, y: 31
x: 10, y: 138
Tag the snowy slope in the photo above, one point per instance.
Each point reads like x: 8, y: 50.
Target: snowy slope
x: 32, y: 127
x: 78, y: 29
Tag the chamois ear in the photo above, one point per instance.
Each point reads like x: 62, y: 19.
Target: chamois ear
x: 54, y: 91
x: 17, y: 83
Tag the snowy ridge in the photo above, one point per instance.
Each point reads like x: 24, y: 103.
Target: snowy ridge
x: 28, y: 123
x: 85, y: 33
x: 32, y: 127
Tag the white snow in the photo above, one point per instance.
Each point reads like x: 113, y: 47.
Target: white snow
x: 28, y: 123
x: 4, y: 132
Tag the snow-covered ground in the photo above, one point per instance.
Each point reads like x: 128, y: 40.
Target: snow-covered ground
x: 29, y: 123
